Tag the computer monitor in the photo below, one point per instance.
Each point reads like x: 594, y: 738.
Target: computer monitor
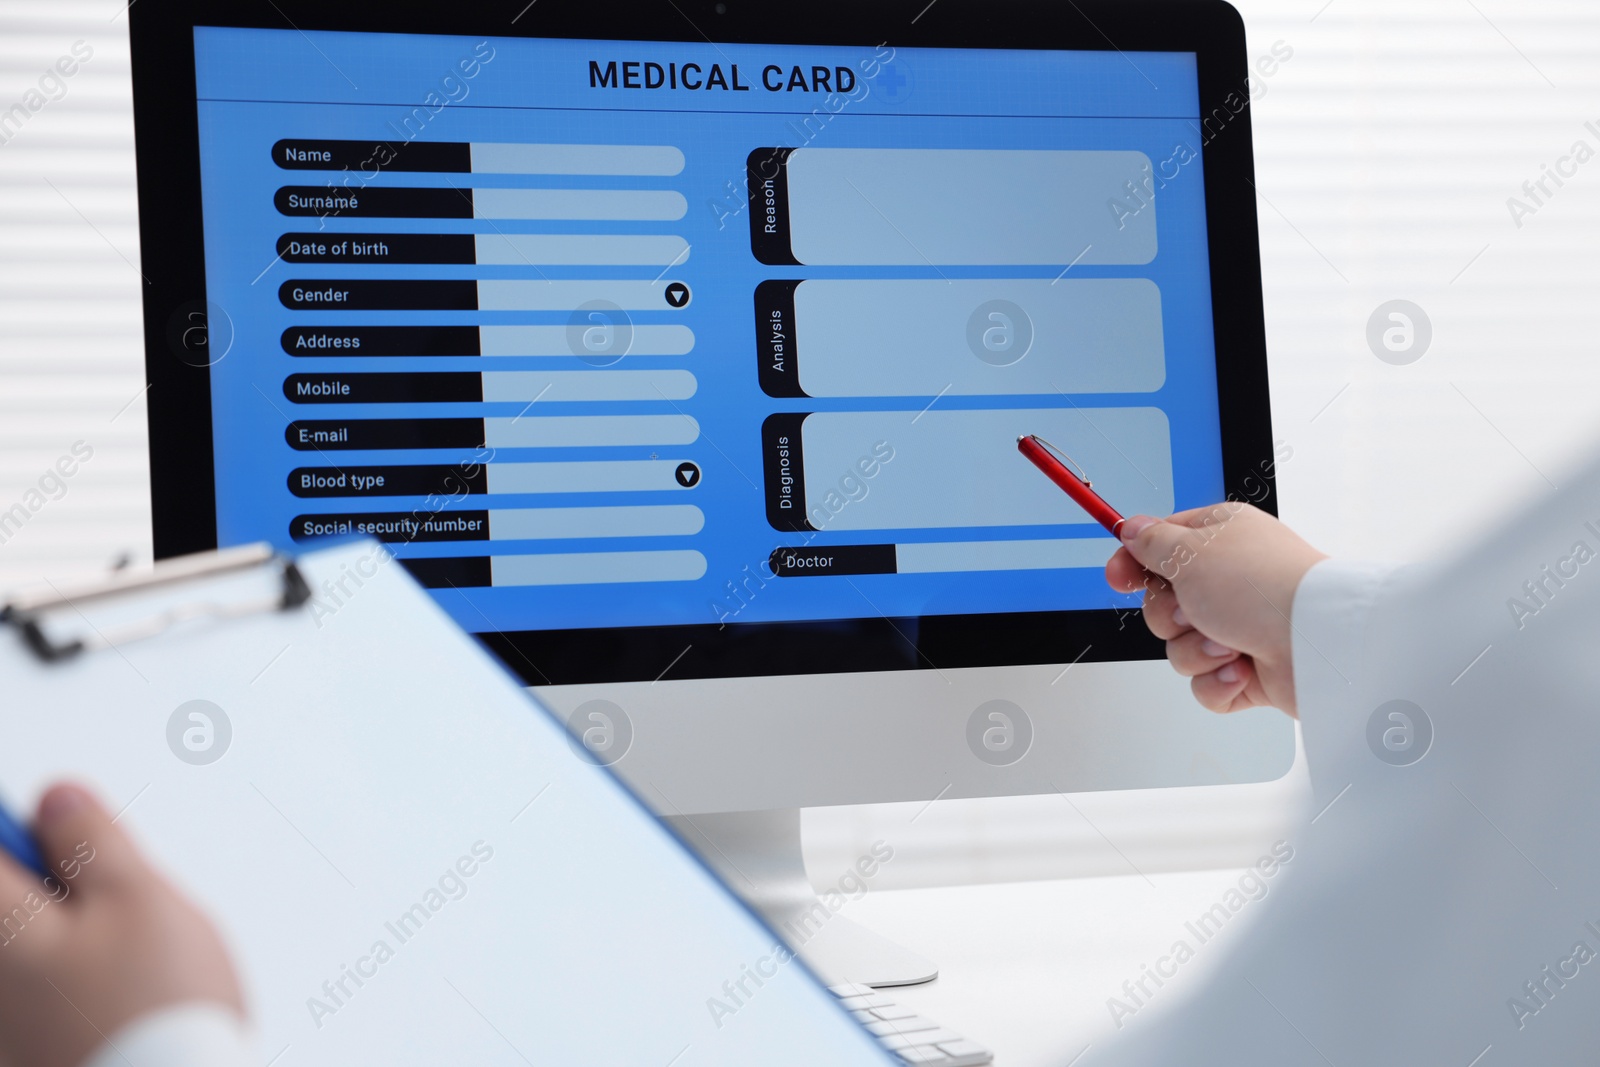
x: 681, y: 350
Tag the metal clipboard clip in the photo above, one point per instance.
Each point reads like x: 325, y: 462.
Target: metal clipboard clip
x: 29, y: 613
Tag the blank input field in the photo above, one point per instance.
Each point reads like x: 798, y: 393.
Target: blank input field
x: 620, y: 159
x: 589, y: 431
x: 955, y: 469
x: 526, y: 294
x: 577, y: 385
x: 528, y: 524
x: 566, y: 205
x: 978, y: 337
x: 585, y: 476
x: 597, y: 568
x: 954, y: 556
x: 647, y: 340
x: 581, y: 249
x: 919, y: 206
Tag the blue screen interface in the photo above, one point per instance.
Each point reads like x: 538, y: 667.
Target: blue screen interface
x: 598, y: 333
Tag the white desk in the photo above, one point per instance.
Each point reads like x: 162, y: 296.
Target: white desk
x: 1026, y: 968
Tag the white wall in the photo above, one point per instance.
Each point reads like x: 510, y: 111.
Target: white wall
x: 1387, y: 149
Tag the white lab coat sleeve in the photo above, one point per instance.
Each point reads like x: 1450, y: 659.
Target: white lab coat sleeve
x: 1443, y: 902
x: 195, y: 1034
x: 1331, y: 609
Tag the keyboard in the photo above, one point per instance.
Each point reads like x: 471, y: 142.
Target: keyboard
x: 906, y: 1034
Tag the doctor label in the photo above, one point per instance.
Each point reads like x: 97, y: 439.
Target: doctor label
x: 600, y: 731
x: 999, y: 733
x: 1399, y: 733
x: 199, y: 732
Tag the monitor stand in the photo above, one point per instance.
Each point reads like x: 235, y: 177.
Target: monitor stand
x: 757, y: 853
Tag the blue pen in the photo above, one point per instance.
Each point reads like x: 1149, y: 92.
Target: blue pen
x: 16, y: 840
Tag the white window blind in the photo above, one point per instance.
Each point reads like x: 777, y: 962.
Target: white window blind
x: 1386, y: 150
x: 71, y: 359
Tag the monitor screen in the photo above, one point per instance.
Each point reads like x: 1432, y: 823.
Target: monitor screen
x: 693, y: 337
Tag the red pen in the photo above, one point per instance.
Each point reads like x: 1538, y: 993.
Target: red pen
x: 1058, y: 468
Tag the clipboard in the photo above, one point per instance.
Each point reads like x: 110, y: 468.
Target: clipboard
x: 410, y: 860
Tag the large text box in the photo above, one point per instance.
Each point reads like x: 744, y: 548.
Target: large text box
x: 954, y: 469
x: 978, y: 337
x: 935, y: 206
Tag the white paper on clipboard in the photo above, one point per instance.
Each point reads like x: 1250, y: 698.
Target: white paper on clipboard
x: 372, y: 754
